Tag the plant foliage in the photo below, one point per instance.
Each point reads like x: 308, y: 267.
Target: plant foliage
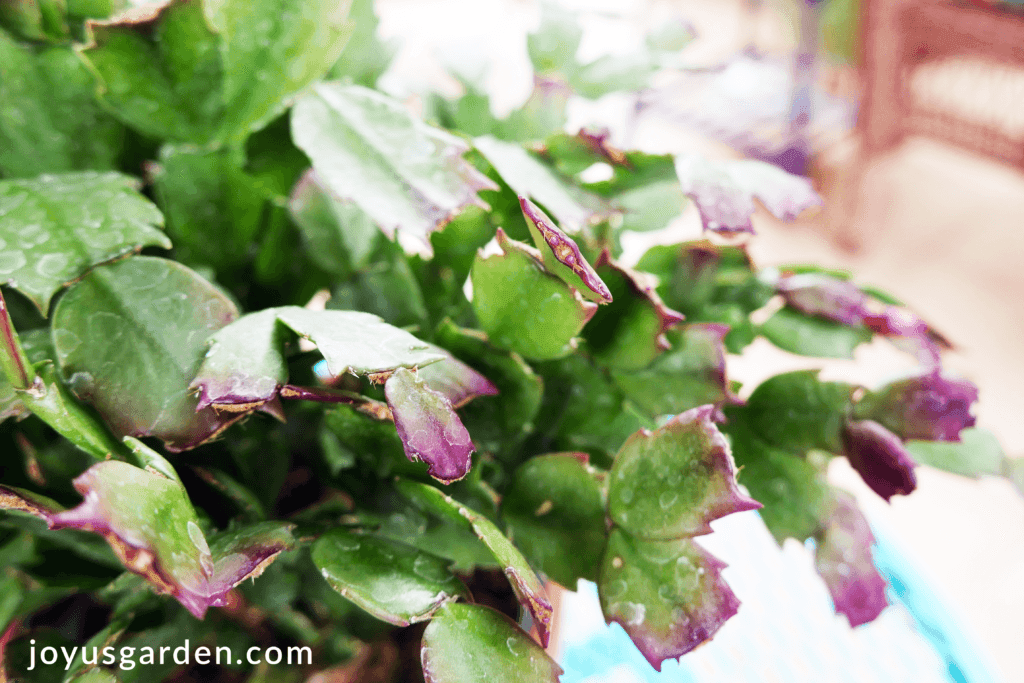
x: 510, y: 405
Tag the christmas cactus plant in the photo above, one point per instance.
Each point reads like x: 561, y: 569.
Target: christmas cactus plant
x: 259, y: 321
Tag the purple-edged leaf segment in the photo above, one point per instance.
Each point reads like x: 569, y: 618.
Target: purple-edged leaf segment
x: 669, y: 596
x: 664, y: 487
x: 146, y: 517
x: 843, y: 559
x: 839, y: 300
x: 724, y: 191
x: 472, y: 644
x: 674, y: 481
x: 455, y: 380
x: 244, y: 366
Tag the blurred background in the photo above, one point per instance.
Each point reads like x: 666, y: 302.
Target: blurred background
x: 909, y: 117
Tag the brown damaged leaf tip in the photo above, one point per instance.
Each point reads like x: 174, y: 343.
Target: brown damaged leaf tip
x: 565, y: 252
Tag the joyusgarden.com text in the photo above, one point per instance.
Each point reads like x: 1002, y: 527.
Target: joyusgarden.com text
x: 127, y: 658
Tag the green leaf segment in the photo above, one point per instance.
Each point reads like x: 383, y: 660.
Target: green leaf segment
x: 55, y: 227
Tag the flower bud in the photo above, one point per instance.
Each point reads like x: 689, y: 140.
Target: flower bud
x: 880, y: 458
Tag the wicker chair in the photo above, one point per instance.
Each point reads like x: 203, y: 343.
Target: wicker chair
x: 903, y: 38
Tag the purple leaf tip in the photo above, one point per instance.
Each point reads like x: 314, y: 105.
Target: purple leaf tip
x: 430, y: 429
x: 843, y: 559
x: 843, y: 302
x: 824, y: 296
x: 598, y: 141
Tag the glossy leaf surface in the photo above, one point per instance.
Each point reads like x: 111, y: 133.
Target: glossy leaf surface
x: 669, y: 596
x: 55, y: 227
x: 339, y: 234
x: 366, y: 148
x: 130, y: 337
x: 628, y: 333
x: 151, y: 526
x: 269, y: 61
x: 356, y: 342
x: 812, y: 336
x: 475, y: 644
x: 689, y: 374
x: 798, y: 412
x: 51, y: 400
x: 710, y: 283
x: 527, y: 176
x: 390, y: 580
x: 584, y: 409
x: 674, y: 481
x: 160, y: 71
x: 202, y: 72
x: 792, y: 489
